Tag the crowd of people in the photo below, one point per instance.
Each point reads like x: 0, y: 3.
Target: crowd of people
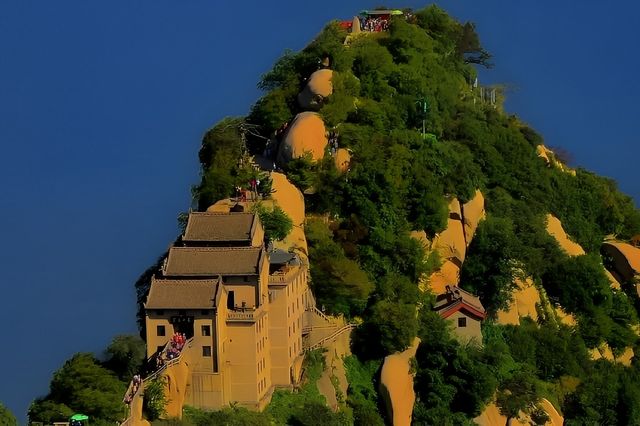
x: 374, y: 24
x: 172, y: 351
x: 333, y: 142
x: 175, y: 345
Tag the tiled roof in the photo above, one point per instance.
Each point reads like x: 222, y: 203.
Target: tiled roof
x: 455, y: 299
x: 210, y: 261
x: 181, y: 294
x: 217, y: 227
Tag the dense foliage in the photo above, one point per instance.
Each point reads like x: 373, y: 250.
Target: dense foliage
x: 365, y: 264
x: 6, y: 417
x: 92, y: 387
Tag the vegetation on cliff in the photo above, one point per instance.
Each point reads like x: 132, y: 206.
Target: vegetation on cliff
x: 364, y: 263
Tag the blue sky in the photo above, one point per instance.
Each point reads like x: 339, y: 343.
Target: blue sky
x: 102, y: 107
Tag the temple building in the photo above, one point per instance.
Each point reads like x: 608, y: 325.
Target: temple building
x: 464, y: 311
x: 241, y: 306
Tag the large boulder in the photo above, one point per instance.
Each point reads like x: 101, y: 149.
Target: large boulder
x: 472, y: 213
x: 306, y: 134
x: 342, y: 159
x: 448, y: 274
x: 290, y: 199
x: 626, y: 259
x: 396, y: 385
x: 318, y: 88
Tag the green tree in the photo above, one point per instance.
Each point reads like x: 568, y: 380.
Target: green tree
x: 394, y: 324
x: 6, y: 417
x: 579, y: 283
x: 520, y: 392
x: 48, y: 411
x: 126, y: 356
x: 489, y: 269
x: 82, y: 385
x: 155, y: 399
x: 276, y: 223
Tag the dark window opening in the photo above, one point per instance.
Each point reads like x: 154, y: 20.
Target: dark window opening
x: 159, y: 312
x: 206, y: 330
x: 206, y: 351
x: 231, y: 300
x: 160, y: 330
x: 204, y: 312
x: 462, y: 322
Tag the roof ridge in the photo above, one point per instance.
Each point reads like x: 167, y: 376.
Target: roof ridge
x: 221, y: 213
x: 217, y: 248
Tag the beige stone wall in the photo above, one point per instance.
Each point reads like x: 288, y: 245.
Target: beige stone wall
x: 206, y: 391
x: 152, y: 321
x: 199, y: 361
x: 466, y: 334
x: 285, y: 328
x: 248, y: 362
x: 258, y: 236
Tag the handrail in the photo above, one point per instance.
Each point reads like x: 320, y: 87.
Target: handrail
x: 319, y: 312
x: 169, y: 363
x: 332, y: 336
x: 155, y: 374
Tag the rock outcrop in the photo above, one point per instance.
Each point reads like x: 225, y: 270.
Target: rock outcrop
x: 472, y: 213
x: 288, y: 198
x: 491, y: 416
x: 333, y: 383
x: 396, y: 385
x: 625, y: 257
x: 448, y: 274
x: 318, y: 88
x: 552, y: 161
x: 305, y: 134
x: 450, y: 243
x: 604, y: 352
x: 554, y: 228
x: 341, y: 159
x: 525, y: 299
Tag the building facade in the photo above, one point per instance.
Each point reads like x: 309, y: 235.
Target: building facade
x: 464, y: 312
x: 241, y: 306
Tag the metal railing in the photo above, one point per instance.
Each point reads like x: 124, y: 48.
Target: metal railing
x: 154, y: 375
x: 330, y: 337
x: 248, y: 314
x: 319, y: 312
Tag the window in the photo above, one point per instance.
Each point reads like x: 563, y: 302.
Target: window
x: 462, y: 322
x: 206, y: 330
x: 160, y: 331
x: 206, y: 351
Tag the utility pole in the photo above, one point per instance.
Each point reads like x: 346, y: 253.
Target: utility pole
x: 423, y: 103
